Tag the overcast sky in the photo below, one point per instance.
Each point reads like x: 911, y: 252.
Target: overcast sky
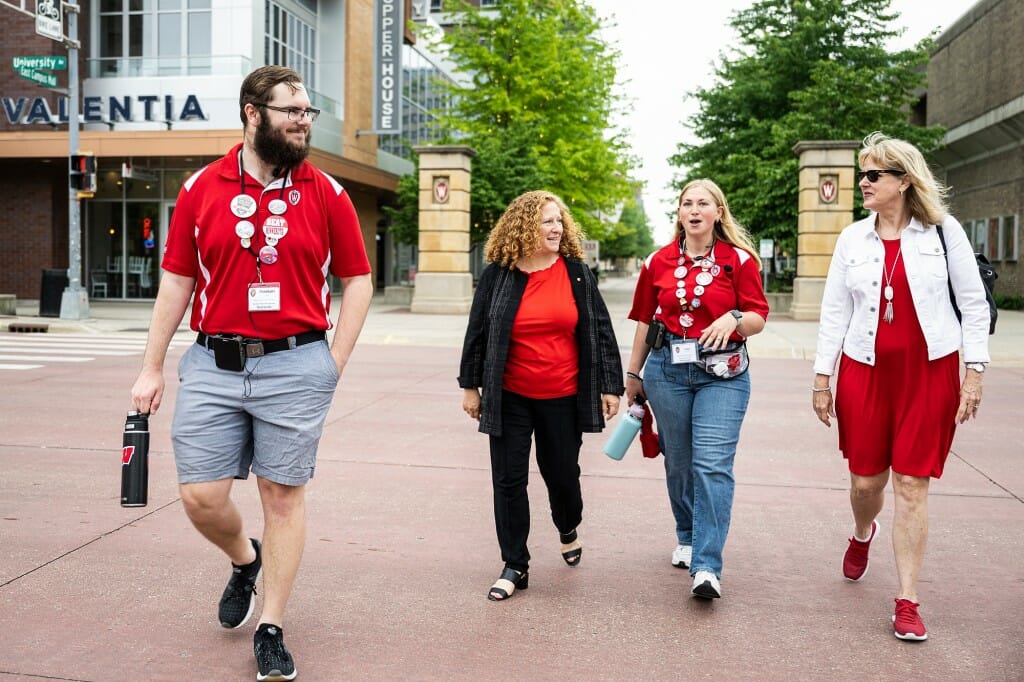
x: 668, y: 48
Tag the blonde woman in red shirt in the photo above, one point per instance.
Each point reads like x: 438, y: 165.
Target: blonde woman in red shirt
x: 697, y: 300
x: 539, y: 363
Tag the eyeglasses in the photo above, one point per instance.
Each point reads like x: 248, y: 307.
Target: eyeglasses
x: 873, y: 175
x: 294, y: 114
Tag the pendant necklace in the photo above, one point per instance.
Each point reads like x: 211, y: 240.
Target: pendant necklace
x: 887, y: 292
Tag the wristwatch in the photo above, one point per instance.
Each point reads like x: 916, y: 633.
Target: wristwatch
x: 738, y: 315
x: 978, y: 367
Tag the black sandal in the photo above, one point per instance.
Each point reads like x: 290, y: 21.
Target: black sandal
x: 572, y: 550
x: 517, y: 580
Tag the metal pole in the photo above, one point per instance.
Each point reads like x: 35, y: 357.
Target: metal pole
x: 74, y: 304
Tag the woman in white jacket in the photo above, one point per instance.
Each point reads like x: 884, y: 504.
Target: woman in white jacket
x: 888, y: 322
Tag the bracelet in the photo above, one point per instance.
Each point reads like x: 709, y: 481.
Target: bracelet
x: 634, y: 375
x: 821, y: 390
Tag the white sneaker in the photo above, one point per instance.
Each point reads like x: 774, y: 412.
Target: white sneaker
x: 706, y: 585
x: 681, y: 556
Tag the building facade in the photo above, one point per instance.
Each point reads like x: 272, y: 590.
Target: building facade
x: 159, y: 99
x: 976, y: 91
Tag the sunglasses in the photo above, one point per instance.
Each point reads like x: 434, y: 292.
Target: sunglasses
x: 873, y: 175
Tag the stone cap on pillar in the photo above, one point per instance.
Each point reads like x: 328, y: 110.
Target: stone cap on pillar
x: 444, y: 149
x: 813, y: 145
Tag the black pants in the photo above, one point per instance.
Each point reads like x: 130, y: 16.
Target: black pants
x: 558, y: 453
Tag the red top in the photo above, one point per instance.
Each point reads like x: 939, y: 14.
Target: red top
x: 322, y: 235
x: 734, y: 285
x: 543, y: 357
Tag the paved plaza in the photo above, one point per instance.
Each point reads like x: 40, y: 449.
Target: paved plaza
x: 401, y: 549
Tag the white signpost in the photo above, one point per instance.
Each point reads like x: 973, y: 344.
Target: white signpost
x: 74, y: 304
x: 767, y: 252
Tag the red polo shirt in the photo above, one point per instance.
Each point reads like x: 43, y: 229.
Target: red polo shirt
x: 737, y: 286
x: 323, y: 236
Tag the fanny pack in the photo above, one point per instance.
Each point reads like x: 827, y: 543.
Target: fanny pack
x: 725, y: 363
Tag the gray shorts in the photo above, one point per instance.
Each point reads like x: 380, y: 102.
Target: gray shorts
x: 267, y: 418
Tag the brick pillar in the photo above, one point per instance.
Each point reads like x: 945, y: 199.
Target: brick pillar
x: 825, y: 208
x: 443, y: 282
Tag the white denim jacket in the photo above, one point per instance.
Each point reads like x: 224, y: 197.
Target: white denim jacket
x: 850, y: 305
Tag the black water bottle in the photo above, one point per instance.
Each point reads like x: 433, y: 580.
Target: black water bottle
x: 135, y: 461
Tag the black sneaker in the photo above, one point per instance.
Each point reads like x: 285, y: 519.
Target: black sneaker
x: 273, y: 662
x: 239, y: 598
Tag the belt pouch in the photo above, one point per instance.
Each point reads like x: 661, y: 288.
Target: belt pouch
x: 228, y: 353
x: 726, y: 363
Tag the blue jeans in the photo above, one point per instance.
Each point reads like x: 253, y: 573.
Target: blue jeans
x: 698, y: 419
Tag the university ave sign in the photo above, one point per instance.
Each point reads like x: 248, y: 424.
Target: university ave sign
x: 35, y: 68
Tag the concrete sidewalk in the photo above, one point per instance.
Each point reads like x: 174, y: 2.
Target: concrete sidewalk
x: 400, y: 548
x: 390, y: 324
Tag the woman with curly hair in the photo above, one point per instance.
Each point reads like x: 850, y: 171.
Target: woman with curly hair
x: 540, y: 346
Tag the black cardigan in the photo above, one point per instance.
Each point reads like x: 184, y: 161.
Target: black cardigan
x: 485, y: 349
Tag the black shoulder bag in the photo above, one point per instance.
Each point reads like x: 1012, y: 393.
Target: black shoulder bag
x: 988, y: 279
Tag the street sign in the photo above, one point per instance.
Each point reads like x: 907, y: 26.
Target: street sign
x: 49, y: 62
x: 49, y: 19
x: 767, y: 248
x: 45, y: 79
x: 35, y: 68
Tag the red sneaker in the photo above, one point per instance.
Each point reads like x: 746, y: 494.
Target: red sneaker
x: 855, y: 562
x: 907, y: 623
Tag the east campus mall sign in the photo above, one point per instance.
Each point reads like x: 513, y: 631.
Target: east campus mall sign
x: 35, y: 68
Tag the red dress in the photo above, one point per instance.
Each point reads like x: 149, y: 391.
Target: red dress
x: 901, y: 412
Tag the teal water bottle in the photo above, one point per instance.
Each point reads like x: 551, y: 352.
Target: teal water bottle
x: 626, y: 430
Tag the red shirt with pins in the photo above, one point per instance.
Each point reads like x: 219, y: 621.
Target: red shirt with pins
x: 323, y: 236
x: 735, y: 285
x: 543, y: 356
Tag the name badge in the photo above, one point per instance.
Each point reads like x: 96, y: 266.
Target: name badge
x: 264, y: 297
x: 684, y: 350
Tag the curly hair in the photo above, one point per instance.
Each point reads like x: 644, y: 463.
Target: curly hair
x: 517, y: 233
x: 727, y: 229
x: 926, y: 196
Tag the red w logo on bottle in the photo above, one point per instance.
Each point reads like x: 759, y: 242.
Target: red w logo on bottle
x: 135, y: 461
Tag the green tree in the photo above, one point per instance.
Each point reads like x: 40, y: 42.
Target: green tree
x: 803, y: 70
x: 536, y: 104
x: 630, y: 237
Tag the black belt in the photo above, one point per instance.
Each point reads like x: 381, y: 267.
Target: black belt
x: 255, y: 348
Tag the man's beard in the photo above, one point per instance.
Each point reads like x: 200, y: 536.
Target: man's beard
x: 273, y: 147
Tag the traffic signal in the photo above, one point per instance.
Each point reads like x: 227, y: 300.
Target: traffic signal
x: 83, y: 172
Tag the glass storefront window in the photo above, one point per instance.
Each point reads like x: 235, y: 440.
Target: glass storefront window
x: 123, y: 239
x: 125, y: 229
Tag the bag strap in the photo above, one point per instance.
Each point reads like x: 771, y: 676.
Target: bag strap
x: 949, y: 282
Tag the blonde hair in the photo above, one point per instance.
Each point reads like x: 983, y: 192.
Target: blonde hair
x: 727, y: 229
x: 926, y: 196
x: 517, y: 233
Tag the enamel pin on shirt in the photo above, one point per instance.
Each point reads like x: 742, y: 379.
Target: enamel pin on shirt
x: 244, y: 230
x: 243, y: 206
x: 275, y: 228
